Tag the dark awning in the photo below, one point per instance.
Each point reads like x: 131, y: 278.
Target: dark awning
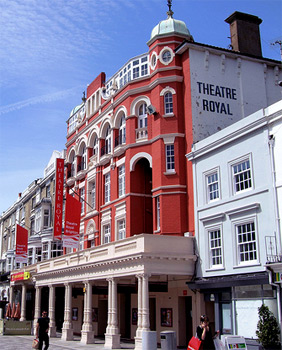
x: 229, y: 281
x: 4, y: 276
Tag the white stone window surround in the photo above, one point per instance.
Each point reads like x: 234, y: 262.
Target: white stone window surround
x: 153, y: 60
x: 120, y: 215
x: 214, y: 243
x: 210, y: 187
x: 169, y: 140
x: 105, y: 222
x: 163, y: 57
x: 162, y: 94
x: 248, y: 182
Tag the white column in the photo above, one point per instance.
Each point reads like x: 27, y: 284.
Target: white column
x: 112, y: 336
x: 11, y: 296
x: 145, y: 303
x: 138, y: 337
x: 51, y: 313
x: 67, y: 330
x: 87, y: 334
x: 23, y: 303
x: 37, y: 308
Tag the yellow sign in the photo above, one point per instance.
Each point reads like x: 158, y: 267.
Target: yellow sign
x: 20, y: 276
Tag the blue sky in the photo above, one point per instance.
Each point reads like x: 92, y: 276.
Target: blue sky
x: 51, y: 50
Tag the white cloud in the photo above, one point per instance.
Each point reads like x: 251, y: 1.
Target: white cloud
x: 38, y: 100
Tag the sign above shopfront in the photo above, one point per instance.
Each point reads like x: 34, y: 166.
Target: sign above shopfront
x: 20, y: 276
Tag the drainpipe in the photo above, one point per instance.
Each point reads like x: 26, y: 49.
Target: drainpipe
x: 271, y: 141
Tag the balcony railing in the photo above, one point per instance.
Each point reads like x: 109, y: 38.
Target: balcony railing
x: 141, y: 133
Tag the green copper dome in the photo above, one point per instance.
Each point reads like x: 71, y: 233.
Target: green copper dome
x: 75, y: 109
x: 170, y: 26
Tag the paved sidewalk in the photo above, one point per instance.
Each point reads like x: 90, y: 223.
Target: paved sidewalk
x: 23, y: 342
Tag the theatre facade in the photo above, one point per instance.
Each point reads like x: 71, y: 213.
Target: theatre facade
x: 125, y: 162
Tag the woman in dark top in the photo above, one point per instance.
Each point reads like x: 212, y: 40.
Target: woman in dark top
x: 204, y: 333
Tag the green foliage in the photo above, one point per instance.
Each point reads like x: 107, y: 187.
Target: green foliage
x: 267, y: 328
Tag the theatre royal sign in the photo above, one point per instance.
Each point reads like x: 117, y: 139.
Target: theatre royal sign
x: 224, y: 89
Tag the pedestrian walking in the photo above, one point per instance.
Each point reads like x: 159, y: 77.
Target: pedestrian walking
x: 42, y: 328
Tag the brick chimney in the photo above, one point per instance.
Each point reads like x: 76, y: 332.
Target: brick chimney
x: 245, y: 35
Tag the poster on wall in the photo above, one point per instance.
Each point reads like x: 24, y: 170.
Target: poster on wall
x: 21, y: 244
x: 134, y: 316
x: 166, y: 317
x: 72, y: 223
x: 59, y: 195
x: 74, y: 313
x: 94, y: 314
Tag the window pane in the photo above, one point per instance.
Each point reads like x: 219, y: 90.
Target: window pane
x: 168, y: 103
x: 246, y: 239
x: 242, y: 176
x: 215, y: 248
x: 170, y: 166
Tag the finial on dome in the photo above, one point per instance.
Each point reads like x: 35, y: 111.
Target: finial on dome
x: 169, y: 12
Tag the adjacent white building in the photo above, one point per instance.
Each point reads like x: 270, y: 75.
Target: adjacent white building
x: 238, y: 197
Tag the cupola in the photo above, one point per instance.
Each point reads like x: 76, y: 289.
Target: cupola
x: 170, y: 26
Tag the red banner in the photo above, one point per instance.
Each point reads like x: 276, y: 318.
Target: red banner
x: 72, y: 223
x: 59, y: 195
x: 21, y: 244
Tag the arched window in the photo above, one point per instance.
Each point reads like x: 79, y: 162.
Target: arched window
x: 95, y: 146
x: 83, y: 157
x: 108, y: 140
x: 72, y: 167
x: 122, y: 130
x: 142, y: 116
x: 168, y: 103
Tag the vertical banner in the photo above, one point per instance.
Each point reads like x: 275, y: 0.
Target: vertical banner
x: 72, y: 223
x: 21, y: 245
x: 59, y: 195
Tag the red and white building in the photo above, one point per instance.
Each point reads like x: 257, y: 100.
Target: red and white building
x: 125, y: 158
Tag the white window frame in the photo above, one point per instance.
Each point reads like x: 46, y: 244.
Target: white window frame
x: 234, y: 176
x: 106, y: 233
x: 107, y: 187
x: 162, y: 56
x: 246, y: 221
x: 83, y: 157
x: 209, y: 186
x: 56, y: 249
x: 95, y: 146
x: 46, y: 217
x: 45, y: 251
x: 121, y: 180
x: 82, y: 198
x: 121, y: 229
x: 92, y: 194
x: 213, y: 246
x: 158, y: 212
x: 108, y: 140
x: 37, y: 220
x: 168, y: 102
x: 142, y: 116
x: 122, y: 130
x: 170, y: 158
